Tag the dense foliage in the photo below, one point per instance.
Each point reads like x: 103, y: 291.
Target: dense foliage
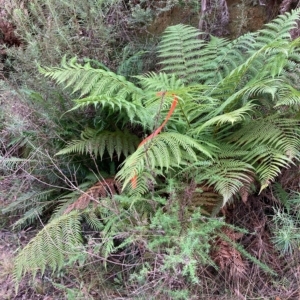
x: 139, y: 179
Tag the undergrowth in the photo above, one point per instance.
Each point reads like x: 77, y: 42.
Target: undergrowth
x: 169, y: 184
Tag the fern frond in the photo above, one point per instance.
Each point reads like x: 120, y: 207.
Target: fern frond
x: 220, y: 56
x: 98, y: 87
x: 288, y: 96
x: 12, y: 162
x: 235, y: 97
x: 96, y: 143
x: 132, y: 65
x: 179, y: 51
x: 68, y: 198
x: 279, y: 133
x: 165, y: 150
x: 58, y: 240
x: 161, y: 82
x: 271, y: 143
x: 229, y: 85
x: 31, y: 215
x: 268, y: 162
x: 279, y: 28
x: 93, y: 220
x: 189, y: 58
x: 227, y: 177
x: 114, y: 104
x: 231, y: 117
x: 91, y: 81
x: 282, y: 195
x: 33, y: 203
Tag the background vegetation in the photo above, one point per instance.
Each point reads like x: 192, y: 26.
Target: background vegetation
x: 141, y: 158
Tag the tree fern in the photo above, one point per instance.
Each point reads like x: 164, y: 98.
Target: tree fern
x: 230, y: 92
x: 230, y: 120
x: 288, y: 96
x: 132, y: 63
x: 162, y: 82
x: 184, y: 55
x: 13, y: 162
x: 65, y: 200
x: 231, y: 117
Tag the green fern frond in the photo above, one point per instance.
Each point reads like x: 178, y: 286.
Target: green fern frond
x: 227, y: 176
x: 220, y: 57
x: 68, y: 198
x: 262, y: 86
x: 278, y: 29
x: 268, y: 162
x: 278, y: 57
x: 271, y: 143
x: 282, y: 195
x: 189, y: 58
x: 98, y: 87
x: 96, y: 143
x: 88, y: 80
x: 161, y: 82
x: 288, y: 96
x: 229, y: 85
x: 31, y: 215
x: 231, y: 117
x: 279, y: 133
x: 179, y: 51
x: 114, y: 104
x: 26, y: 199
x: 33, y: 203
x: 132, y: 65
x: 208, y: 66
x: 291, y: 71
x: 93, y: 220
x: 50, y: 247
x: 12, y: 162
x: 165, y: 150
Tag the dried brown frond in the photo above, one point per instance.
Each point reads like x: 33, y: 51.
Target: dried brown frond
x: 245, y: 190
x: 227, y: 258
x: 104, y: 188
x: 205, y: 197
